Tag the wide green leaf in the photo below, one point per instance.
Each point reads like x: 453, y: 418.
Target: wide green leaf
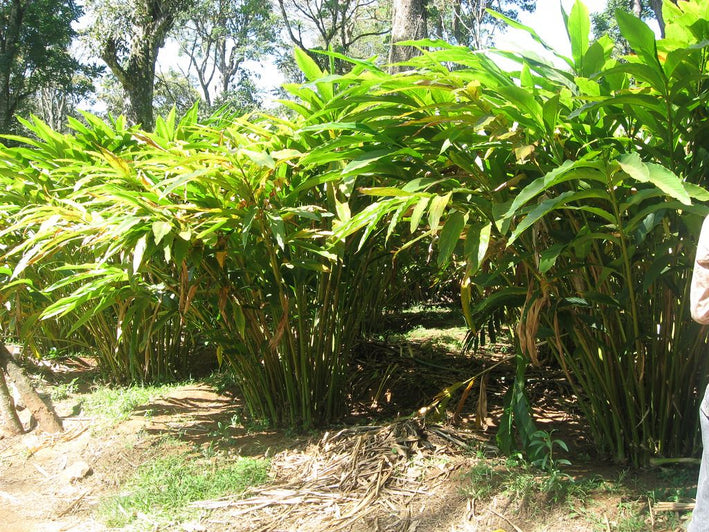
x: 658, y: 175
x: 640, y: 37
x: 578, y: 27
x: 307, y: 65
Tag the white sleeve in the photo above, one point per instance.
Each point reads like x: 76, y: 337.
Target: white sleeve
x: 699, y: 293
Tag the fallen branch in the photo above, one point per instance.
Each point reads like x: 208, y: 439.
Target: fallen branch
x: 517, y: 529
x: 668, y: 506
x: 352, y: 472
x: 73, y: 504
x: 657, y: 462
x: 9, y: 422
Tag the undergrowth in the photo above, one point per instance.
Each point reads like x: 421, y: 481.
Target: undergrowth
x: 115, y: 404
x: 621, y: 504
x: 161, y: 490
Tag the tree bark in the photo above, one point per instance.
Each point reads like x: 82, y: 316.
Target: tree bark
x: 9, y: 49
x: 136, y: 76
x: 408, y: 23
x: 133, y: 60
x: 656, y: 6
x: 46, y: 418
x: 9, y: 422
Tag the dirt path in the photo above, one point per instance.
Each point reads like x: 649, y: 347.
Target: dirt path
x: 55, y: 483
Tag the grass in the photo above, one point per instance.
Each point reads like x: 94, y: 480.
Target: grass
x: 522, y: 482
x: 621, y: 503
x: 678, y: 484
x: 448, y: 338
x: 62, y: 391
x: 115, y: 404
x: 163, y: 488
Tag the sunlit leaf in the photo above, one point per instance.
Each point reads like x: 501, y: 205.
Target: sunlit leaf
x: 658, y: 175
x: 138, y: 252
x: 160, y: 229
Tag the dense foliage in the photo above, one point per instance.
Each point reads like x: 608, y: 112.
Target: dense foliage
x: 568, y: 196
x: 568, y: 192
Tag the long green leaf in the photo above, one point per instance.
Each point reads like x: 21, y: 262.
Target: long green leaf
x: 578, y: 27
x: 477, y: 240
x: 640, y: 37
x: 450, y: 234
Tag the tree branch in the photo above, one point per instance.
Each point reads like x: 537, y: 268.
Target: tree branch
x: 109, y: 54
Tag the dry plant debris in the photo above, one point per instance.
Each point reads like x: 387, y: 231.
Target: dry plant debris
x: 358, y: 472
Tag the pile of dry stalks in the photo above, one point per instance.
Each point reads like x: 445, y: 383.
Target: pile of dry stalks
x: 354, y: 479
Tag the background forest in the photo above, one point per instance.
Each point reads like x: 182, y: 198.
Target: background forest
x: 559, y: 199
x: 59, y: 57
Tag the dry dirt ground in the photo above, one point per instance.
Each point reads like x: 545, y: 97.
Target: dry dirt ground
x: 397, y: 476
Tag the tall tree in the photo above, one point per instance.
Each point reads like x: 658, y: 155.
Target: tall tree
x: 130, y: 35
x: 468, y: 23
x: 338, y: 25
x: 656, y: 7
x: 604, y: 22
x: 54, y: 103
x: 35, y: 36
x: 220, y: 36
x: 53, y: 106
x: 409, y: 22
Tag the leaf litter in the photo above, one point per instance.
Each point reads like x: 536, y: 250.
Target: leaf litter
x: 350, y: 475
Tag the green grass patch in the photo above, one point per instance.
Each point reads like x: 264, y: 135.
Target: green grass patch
x: 677, y: 484
x: 620, y: 503
x: 163, y: 488
x: 117, y: 403
x: 520, y: 481
x: 446, y: 338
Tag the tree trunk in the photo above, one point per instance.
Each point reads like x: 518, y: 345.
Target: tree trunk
x: 133, y: 60
x: 8, y: 58
x: 656, y: 6
x: 408, y: 23
x: 6, y: 112
x: 9, y: 422
x: 140, y: 94
x: 46, y: 418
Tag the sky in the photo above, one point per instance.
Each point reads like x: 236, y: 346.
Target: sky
x: 549, y: 25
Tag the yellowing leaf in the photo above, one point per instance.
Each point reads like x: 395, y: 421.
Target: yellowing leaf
x: 522, y: 153
x: 438, y: 205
